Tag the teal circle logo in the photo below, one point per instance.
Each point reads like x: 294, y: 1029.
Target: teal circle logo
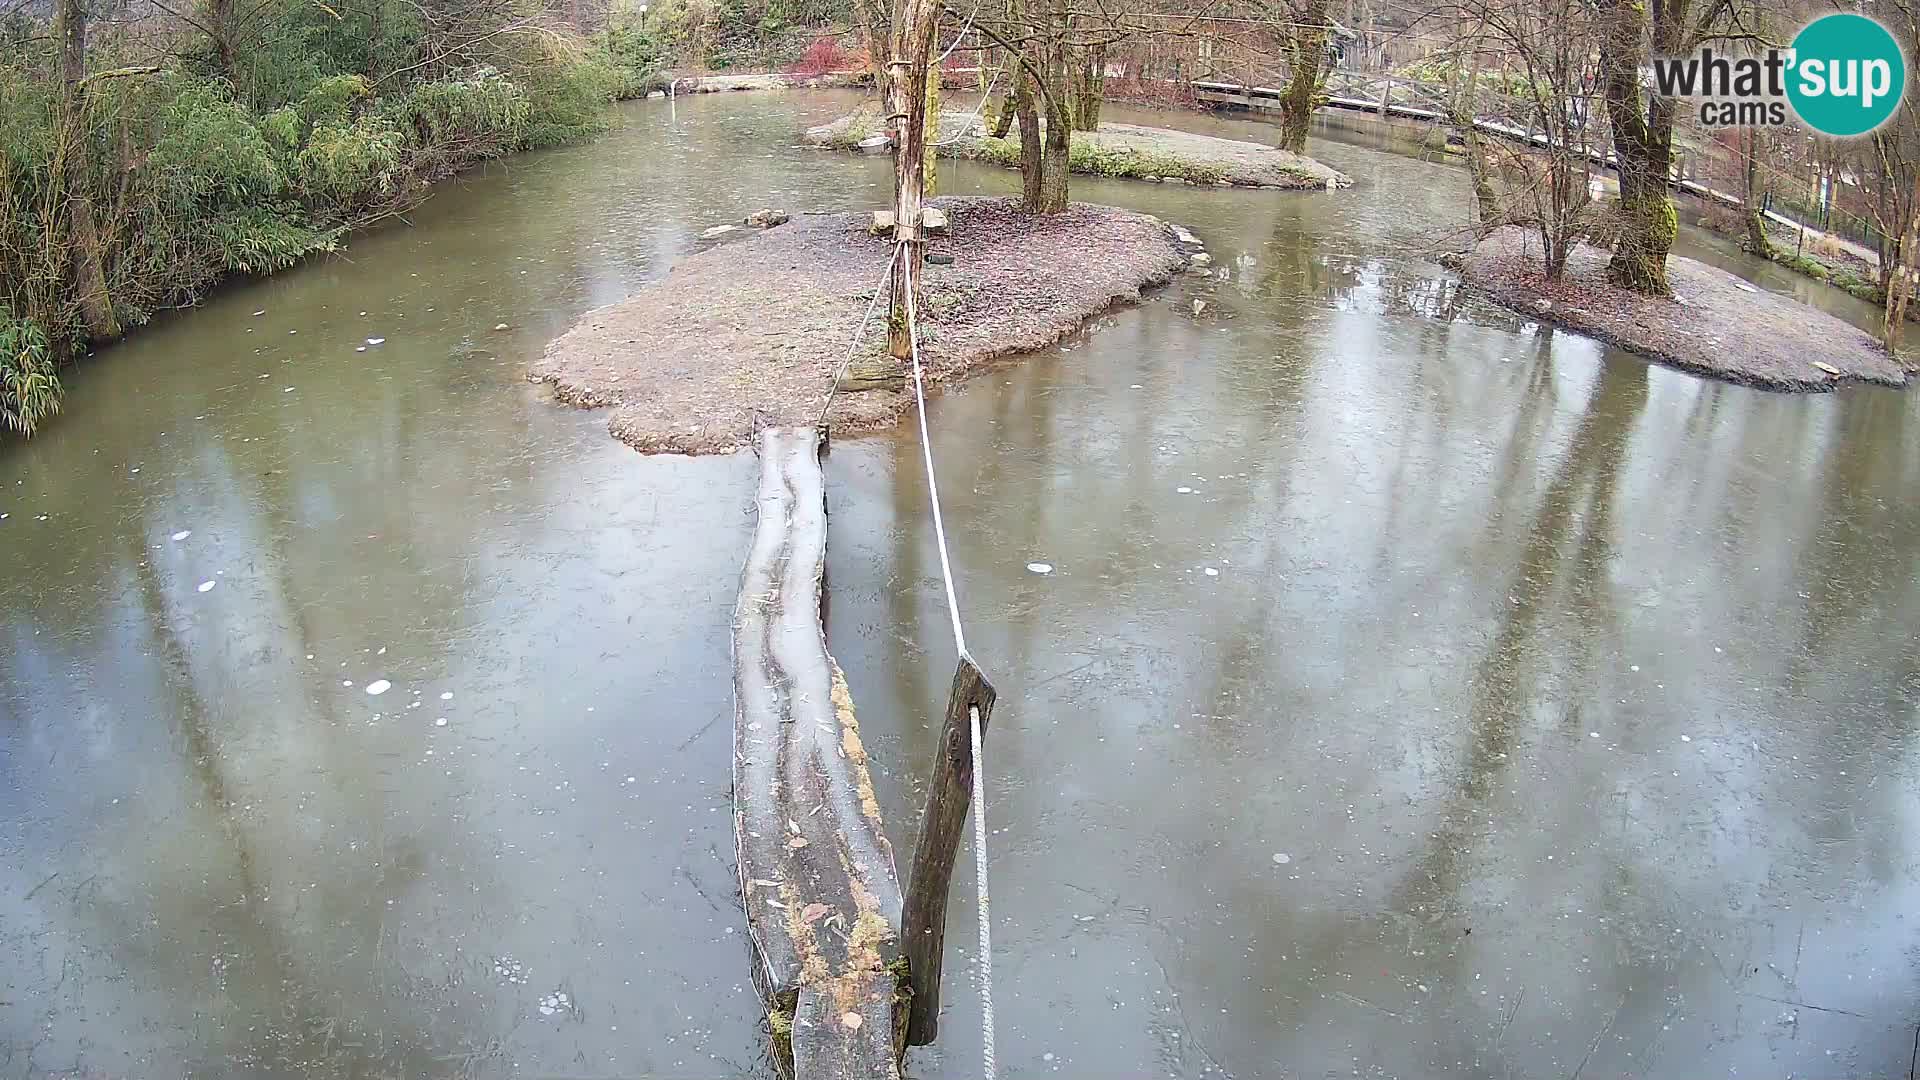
x: 1848, y: 75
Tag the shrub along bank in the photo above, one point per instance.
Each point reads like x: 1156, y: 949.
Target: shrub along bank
x: 240, y: 142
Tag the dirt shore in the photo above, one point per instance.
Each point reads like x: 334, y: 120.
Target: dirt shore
x: 756, y: 328
x: 1715, y: 324
x: 1126, y: 151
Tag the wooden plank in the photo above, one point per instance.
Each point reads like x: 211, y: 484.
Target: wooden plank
x: 816, y: 872
x: 949, y: 793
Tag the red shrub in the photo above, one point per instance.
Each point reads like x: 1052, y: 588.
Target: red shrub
x: 821, y: 57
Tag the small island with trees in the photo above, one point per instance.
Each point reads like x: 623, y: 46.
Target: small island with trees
x: 1550, y: 246
x: 151, y: 151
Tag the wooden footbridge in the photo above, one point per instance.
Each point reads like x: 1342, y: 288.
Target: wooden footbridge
x: 816, y: 871
x: 848, y: 966
x: 1502, y: 116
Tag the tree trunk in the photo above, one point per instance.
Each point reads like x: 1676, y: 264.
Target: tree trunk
x: 1643, y: 145
x: 1000, y: 110
x: 1089, y: 88
x: 930, y: 152
x: 1032, y: 153
x: 89, y: 276
x: 875, y: 30
x: 219, y: 15
x: 1466, y: 108
x: 1309, y: 56
x: 907, y: 76
x: 1757, y: 239
x: 1902, y: 282
x: 1053, y: 177
x: 1058, y: 136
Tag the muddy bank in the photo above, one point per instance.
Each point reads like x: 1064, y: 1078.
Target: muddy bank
x: 1714, y: 325
x: 1126, y: 151
x: 757, y: 328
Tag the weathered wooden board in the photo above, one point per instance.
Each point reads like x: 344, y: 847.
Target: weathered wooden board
x: 816, y: 872
x: 949, y: 796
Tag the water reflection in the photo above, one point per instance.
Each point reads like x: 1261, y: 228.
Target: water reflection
x: 1505, y: 634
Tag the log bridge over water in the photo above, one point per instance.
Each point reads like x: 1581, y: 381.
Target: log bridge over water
x: 848, y: 968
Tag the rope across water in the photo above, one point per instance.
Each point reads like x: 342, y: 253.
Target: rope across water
x: 990, y: 1068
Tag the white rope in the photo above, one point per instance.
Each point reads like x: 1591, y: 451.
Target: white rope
x: 926, y: 453
x: 989, y: 1068
x: 980, y: 885
x: 958, y: 38
x: 977, y: 110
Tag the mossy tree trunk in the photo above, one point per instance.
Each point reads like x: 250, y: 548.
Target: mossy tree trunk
x: 1643, y: 145
x: 1032, y: 153
x: 1307, y: 51
x: 1000, y: 111
x: 930, y: 152
x: 1000, y: 88
x: 1089, y: 87
x: 1058, y: 133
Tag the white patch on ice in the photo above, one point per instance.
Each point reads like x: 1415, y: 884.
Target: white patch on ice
x: 446, y: 695
x: 1686, y: 738
x: 376, y: 341
x: 183, y: 534
x: 440, y: 722
x: 207, y: 586
x: 1040, y: 567
x: 1281, y: 858
x: 1184, y: 490
x: 1211, y: 572
x: 378, y: 687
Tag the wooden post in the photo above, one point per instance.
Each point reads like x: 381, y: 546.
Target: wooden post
x: 907, y: 71
x: 1386, y: 95
x: 949, y: 792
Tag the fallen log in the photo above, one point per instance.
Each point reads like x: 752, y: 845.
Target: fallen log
x: 817, y: 877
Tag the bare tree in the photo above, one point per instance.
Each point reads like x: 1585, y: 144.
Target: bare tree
x: 1895, y: 158
x: 1542, y: 57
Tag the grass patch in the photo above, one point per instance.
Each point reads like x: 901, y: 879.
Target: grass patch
x: 1090, y: 159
